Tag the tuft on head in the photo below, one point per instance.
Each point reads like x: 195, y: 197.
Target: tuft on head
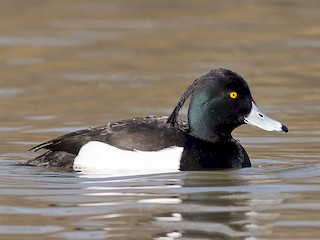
x: 219, y: 73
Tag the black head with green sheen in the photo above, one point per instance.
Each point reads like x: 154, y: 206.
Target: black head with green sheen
x: 220, y: 102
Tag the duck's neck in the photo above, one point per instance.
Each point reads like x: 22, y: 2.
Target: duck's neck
x: 206, y: 120
x: 208, y: 135
x: 205, y: 129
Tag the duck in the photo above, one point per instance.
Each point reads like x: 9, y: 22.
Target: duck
x: 220, y: 101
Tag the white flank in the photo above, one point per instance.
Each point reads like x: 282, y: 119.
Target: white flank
x: 101, y: 157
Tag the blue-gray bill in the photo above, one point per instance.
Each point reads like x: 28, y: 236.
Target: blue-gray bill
x: 259, y: 119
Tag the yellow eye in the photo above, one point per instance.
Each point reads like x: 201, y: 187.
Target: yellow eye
x: 233, y: 95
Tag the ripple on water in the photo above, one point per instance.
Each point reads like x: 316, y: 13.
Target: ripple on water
x: 237, y: 204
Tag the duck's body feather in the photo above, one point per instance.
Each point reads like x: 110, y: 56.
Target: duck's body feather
x: 134, y: 143
x: 144, y: 134
x: 102, y: 157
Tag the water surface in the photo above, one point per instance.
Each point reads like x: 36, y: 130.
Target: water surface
x: 68, y: 65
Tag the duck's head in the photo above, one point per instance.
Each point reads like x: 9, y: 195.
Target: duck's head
x: 220, y: 102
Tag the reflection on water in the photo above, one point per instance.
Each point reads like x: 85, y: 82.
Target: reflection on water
x: 241, y: 204
x: 68, y: 65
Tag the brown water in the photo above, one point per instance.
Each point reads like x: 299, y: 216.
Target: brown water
x: 66, y: 65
